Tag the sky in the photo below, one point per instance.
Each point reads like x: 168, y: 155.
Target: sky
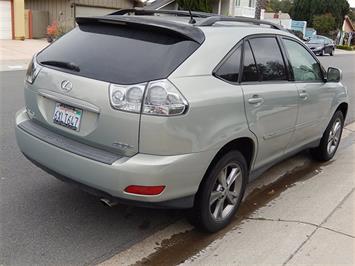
x: 352, y: 3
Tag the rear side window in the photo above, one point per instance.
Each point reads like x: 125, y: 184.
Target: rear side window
x: 120, y: 54
x: 250, y: 71
x: 304, y: 66
x: 229, y: 70
x: 268, y: 59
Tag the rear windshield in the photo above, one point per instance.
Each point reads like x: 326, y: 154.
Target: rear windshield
x: 119, y: 54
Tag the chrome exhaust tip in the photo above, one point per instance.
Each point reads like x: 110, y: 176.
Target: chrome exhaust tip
x: 108, y: 202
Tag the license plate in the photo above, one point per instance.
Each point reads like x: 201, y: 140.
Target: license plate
x: 67, y: 116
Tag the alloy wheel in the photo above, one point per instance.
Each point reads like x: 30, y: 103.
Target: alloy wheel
x: 226, y: 191
x: 334, y: 136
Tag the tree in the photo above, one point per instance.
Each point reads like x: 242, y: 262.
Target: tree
x: 307, y: 9
x: 260, y: 4
x: 324, y: 24
x: 195, y: 5
x: 275, y: 6
x: 352, y: 15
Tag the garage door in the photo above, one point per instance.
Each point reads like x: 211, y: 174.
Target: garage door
x: 5, y: 20
x: 87, y: 11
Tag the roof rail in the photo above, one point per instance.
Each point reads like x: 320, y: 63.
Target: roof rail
x: 209, y: 21
x: 142, y: 12
x: 209, y: 18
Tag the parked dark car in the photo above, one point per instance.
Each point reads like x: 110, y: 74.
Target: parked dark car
x: 321, y: 45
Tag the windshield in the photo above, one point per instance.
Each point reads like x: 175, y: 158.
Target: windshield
x: 316, y: 41
x: 117, y: 54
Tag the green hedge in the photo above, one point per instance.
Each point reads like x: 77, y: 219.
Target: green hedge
x: 345, y: 47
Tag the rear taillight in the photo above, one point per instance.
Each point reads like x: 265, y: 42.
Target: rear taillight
x: 127, y: 98
x: 32, y: 70
x: 162, y: 98
x: 145, y: 190
x: 159, y: 97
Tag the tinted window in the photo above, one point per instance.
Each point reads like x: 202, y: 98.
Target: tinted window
x: 304, y: 66
x: 268, y: 59
x: 229, y: 70
x: 250, y: 72
x: 120, y: 54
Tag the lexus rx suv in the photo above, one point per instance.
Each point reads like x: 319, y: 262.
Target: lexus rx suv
x: 176, y: 110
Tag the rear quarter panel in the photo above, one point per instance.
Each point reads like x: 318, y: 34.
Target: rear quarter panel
x: 340, y: 96
x: 215, y: 117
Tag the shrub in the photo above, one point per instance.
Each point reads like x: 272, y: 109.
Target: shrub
x: 345, y: 47
x: 54, y: 31
x: 299, y: 34
x: 195, y: 5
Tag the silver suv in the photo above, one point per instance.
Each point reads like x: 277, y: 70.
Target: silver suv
x: 160, y: 109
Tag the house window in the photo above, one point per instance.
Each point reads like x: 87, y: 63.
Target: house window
x: 238, y: 2
x: 251, y: 3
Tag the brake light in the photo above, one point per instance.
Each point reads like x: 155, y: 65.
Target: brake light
x: 144, y: 190
x: 163, y: 98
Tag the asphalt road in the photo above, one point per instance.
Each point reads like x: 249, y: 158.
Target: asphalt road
x: 46, y: 222
x: 346, y: 62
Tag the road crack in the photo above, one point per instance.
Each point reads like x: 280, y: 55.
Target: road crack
x: 348, y: 129
x: 300, y: 222
x: 319, y: 226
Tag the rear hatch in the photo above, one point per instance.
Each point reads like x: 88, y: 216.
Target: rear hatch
x: 77, y: 70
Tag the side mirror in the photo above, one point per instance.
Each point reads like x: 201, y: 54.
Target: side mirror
x: 334, y: 74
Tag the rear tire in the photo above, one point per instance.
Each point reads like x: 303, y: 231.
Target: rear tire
x: 331, y: 139
x: 220, y: 193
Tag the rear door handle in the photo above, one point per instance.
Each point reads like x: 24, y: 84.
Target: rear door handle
x: 303, y: 95
x: 255, y: 100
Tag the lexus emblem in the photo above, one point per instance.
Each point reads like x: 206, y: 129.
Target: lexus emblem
x: 66, y: 85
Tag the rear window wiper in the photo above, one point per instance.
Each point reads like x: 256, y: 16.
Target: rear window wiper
x: 62, y: 64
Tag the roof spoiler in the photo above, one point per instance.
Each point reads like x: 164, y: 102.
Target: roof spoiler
x: 186, y: 31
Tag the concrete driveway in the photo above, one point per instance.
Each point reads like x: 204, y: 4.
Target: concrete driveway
x: 15, y: 55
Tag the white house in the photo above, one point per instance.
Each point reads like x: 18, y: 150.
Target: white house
x: 245, y: 8
x: 280, y: 18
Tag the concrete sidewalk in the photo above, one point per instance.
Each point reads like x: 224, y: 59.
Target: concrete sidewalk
x: 340, y: 51
x: 309, y: 220
x: 310, y: 223
x: 15, y: 55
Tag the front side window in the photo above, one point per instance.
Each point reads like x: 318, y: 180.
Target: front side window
x: 229, y: 70
x: 304, y: 66
x: 269, y: 60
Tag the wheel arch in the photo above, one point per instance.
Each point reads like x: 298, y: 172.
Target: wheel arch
x: 245, y: 145
x: 343, y: 107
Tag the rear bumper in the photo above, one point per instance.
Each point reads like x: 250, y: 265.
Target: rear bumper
x: 181, y: 174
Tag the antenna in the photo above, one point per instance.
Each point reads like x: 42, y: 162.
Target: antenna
x: 192, y: 20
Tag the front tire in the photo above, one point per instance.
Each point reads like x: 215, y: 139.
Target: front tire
x: 332, y: 52
x: 220, y: 193
x: 331, y: 138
